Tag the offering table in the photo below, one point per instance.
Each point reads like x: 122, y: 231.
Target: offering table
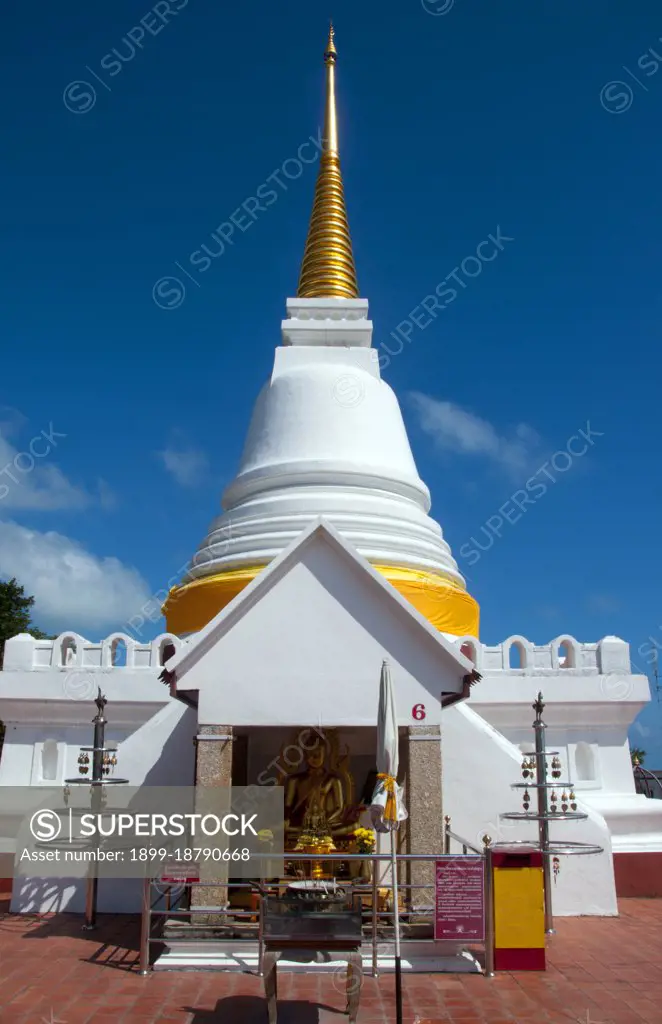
x: 314, y: 916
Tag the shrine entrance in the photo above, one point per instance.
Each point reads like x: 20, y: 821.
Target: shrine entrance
x: 328, y: 777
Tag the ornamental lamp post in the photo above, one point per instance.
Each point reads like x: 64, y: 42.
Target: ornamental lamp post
x: 104, y: 761
x: 536, y: 772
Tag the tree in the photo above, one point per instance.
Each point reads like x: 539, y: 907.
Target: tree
x: 15, y: 609
x: 638, y: 754
x: 15, y: 614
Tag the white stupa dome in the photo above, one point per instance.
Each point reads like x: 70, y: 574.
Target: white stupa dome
x: 326, y: 438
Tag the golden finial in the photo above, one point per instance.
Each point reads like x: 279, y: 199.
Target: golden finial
x: 330, y: 54
x: 328, y: 268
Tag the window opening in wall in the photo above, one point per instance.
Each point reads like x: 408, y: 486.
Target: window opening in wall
x: 584, y: 762
x: 69, y: 650
x: 516, y: 656
x: 469, y: 651
x: 118, y: 653
x: 49, y: 761
x: 166, y: 651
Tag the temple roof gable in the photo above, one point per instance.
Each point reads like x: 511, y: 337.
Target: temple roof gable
x: 306, y: 639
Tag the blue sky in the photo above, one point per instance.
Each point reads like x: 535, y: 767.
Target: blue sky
x: 459, y: 121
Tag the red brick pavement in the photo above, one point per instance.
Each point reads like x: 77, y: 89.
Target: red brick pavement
x: 600, y: 971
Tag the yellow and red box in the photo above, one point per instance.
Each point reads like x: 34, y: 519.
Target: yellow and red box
x: 519, y: 909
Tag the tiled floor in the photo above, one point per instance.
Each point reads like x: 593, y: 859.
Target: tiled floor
x: 600, y: 971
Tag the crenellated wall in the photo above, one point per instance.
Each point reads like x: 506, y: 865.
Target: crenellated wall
x: 515, y: 655
x: 519, y: 655
x: 72, y: 651
x: 591, y: 700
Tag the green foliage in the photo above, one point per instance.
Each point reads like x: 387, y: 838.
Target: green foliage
x: 15, y: 613
x: 638, y: 753
x: 14, y: 610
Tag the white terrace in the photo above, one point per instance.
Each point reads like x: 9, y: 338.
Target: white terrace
x: 591, y: 700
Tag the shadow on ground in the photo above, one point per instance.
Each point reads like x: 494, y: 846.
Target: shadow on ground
x: 253, y: 1010
x: 116, y: 937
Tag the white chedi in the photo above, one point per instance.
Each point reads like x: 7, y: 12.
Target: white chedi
x: 327, y: 439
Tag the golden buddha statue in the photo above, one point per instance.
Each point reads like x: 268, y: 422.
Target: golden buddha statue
x: 319, y: 797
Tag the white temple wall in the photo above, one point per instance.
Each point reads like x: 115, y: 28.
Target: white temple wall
x: 613, y: 764
x: 480, y: 761
x: 59, y: 895
x: 154, y: 734
x: 162, y: 751
x: 591, y: 699
x: 159, y: 752
x: 590, y: 703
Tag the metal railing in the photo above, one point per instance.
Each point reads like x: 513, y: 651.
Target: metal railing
x: 376, y: 920
x: 464, y: 843
x: 645, y: 782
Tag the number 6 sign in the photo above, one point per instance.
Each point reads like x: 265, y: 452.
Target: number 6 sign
x: 418, y: 712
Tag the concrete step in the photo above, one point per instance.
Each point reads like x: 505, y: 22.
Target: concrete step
x: 417, y: 957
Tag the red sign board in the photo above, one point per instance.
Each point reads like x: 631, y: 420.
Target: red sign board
x: 178, y: 874
x: 459, y: 899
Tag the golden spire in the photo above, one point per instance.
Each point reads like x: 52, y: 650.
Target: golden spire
x: 328, y: 268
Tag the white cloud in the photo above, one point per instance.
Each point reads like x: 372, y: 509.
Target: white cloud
x: 458, y: 431
x: 187, y: 465
x: 29, y: 479
x: 73, y: 588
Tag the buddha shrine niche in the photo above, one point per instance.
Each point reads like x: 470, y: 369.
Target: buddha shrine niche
x: 319, y: 797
